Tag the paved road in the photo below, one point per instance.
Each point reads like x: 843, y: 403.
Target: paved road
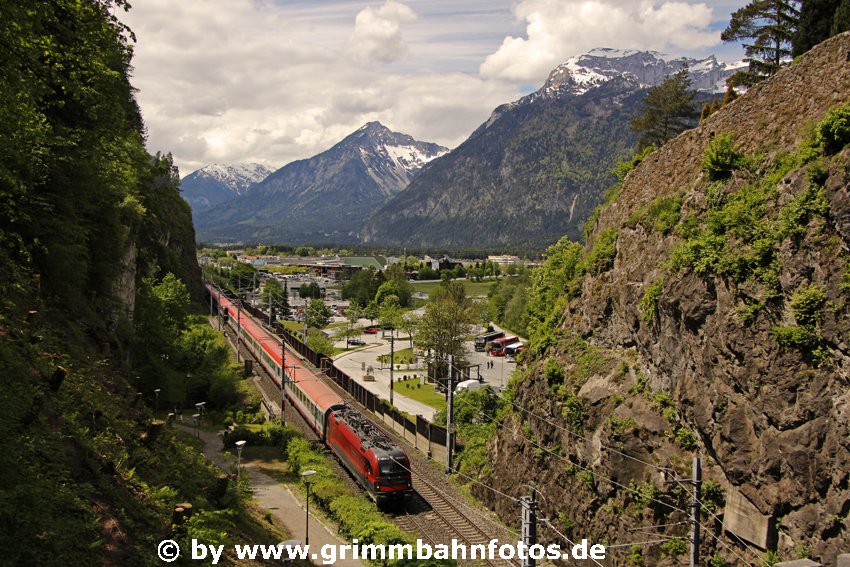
x: 355, y: 361
x: 286, y: 505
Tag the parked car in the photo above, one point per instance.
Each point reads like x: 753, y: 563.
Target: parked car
x: 371, y: 330
x: 356, y: 342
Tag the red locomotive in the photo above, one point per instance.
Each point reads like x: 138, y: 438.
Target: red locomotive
x: 372, y: 458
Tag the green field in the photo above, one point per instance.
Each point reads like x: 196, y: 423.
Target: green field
x: 425, y: 394
x: 473, y: 289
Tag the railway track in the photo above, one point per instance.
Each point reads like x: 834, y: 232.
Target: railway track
x: 436, y: 512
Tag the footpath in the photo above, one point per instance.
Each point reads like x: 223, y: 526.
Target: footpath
x: 287, y: 506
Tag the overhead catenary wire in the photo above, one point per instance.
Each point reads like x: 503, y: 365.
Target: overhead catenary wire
x: 632, y: 490
x: 712, y: 515
x: 596, y: 475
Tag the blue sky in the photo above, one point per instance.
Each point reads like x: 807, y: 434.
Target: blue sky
x: 270, y: 81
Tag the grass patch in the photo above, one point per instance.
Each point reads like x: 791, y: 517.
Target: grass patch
x: 403, y: 356
x: 426, y: 394
x: 473, y: 289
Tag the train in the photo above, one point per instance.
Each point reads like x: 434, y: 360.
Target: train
x: 375, y: 461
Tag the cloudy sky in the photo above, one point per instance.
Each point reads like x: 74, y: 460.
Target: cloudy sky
x: 271, y: 81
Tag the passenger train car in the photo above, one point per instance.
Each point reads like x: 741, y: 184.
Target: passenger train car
x: 372, y: 458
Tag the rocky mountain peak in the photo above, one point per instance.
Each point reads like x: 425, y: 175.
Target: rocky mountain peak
x: 238, y: 177
x: 216, y: 183
x: 328, y: 195
x: 400, y: 151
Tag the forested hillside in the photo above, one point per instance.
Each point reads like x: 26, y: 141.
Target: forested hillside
x: 98, y: 269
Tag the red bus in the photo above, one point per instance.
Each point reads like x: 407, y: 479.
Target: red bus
x: 497, y: 347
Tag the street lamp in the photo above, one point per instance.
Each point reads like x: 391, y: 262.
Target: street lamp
x: 156, y: 401
x: 239, y: 445
x: 306, y: 476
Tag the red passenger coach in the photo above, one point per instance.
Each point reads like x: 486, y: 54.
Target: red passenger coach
x: 374, y: 460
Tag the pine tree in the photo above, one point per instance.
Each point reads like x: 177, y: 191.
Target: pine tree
x: 770, y: 25
x: 730, y: 95
x: 706, y: 112
x: 668, y: 110
x: 816, y: 20
x: 841, y: 20
x: 715, y: 106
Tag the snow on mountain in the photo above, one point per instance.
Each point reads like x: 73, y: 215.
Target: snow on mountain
x: 325, y: 197
x: 598, y: 67
x: 238, y: 177
x: 216, y: 183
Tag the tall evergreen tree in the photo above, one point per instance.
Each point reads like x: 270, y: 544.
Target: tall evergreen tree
x: 816, y: 20
x: 841, y: 20
x: 770, y: 26
x: 668, y: 110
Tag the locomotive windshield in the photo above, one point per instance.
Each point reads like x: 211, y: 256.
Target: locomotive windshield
x: 391, y: 468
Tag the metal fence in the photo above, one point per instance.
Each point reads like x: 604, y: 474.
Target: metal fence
x: 422, y: 434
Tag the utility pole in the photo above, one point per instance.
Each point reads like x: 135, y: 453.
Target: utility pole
x: 695, y: 505
x: 696, y: 482
x: 282, y: 380
x: 450, y: 417
x: 238, y: 327
x: 529, y: 526
x: 392, y: 363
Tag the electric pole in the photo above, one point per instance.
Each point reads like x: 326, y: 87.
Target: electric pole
x: 450, y: 417
x: 282, y: 380
x: 392, y: 363
x: 695, y: 505
x: 238, y: 326
x: 696, y: 482
x: 529, y: 526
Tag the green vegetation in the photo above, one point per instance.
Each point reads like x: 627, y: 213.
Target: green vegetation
x: 721, y: 158
x: 600, y: 257
x: 660, y: 215
x: 674, y: 547
x: 99, y: 272
x: 507, y: 302
x: 426, y: 394
x: 833, y: 133
x: 402, y: 356
x: 668, y: 109
x: 446, y: 323
x: 768, y: 28
x: 473, y: 288
x: 356, y: 516
x: 649, y: 302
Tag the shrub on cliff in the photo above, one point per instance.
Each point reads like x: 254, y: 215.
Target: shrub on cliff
x: 833, y: 133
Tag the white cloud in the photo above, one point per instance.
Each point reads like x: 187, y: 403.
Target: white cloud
x: 377, y: 32
x: 272, y: 81
x: 559, y: 29
x: 233, y: 81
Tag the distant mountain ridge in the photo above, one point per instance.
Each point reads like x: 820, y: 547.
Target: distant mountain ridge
x: 324, y: 198
x: 534, y: 171
x: 215, y: 183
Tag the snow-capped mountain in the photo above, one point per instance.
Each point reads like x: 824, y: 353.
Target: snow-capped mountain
x: 536, y: 169
x: 582, y: 73
x: 326, y: 197
x: 213, y: 184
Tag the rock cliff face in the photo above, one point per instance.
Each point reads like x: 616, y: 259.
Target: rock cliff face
x: 721, y: 330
